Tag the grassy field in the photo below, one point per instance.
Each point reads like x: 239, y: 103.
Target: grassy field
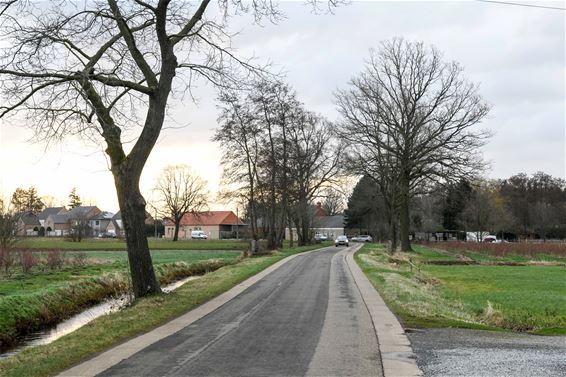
x: 145, y: 315
x: 96, y: 264
x: 90, y: 244
x: 44, y: 296
x: 528, y: 298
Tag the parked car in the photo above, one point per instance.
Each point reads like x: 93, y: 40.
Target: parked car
x: 341, y: 240
x: 107, y: 235
x: 362, y: 238
x: 320, y: 237
x: 198, y: 235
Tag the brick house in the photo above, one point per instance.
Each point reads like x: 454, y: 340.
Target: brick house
x: 44, y: 215
x: 61, y: 224
x: 28, y: 224
x: 215, y: 224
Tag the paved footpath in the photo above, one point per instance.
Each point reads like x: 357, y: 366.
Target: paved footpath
x: 306, y: 317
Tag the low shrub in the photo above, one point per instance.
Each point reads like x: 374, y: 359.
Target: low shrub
x: 28, y: 261
x: 7, y: 261
x: 55, y: 259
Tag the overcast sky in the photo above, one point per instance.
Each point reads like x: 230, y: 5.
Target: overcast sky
x: 516, y: 53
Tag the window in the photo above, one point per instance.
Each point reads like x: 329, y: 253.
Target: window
x: 97, y: 222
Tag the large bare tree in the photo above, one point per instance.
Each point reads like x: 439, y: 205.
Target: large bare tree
x: 105, y: 70
x: 414, y: 116
x: 180, y: 191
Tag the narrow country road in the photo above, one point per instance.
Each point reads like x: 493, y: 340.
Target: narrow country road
x: 305, y: 318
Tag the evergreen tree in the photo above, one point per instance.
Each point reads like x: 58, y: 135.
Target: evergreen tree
x: 74, y: 199
x: 26, y: 200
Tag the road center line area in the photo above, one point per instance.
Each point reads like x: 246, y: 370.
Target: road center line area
x: 305, y: 318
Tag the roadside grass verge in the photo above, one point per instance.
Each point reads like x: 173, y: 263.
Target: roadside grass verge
x: 143, y: 316
x: 518, y: 298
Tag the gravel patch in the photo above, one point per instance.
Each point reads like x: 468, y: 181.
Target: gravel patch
x: 461, y: 352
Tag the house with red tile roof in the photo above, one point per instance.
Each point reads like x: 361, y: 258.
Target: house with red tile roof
x: 215, y: 224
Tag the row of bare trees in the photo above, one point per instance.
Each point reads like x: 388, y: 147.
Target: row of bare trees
x: 277, y: 157
x: 106, y: 69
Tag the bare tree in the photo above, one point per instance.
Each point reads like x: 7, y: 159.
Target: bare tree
x: 276, y: 155
x: 314, y: 157
x: 239, y: 136
x: 414, y: 115
x: 105, y: 70
x: 8, y: 229
x: 179, y: 192
x: 333, y: 201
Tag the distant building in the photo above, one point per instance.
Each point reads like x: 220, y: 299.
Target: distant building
x: 116, y: 226
x: 100, y: 222
x: 215, y: 224
x: 61, y: 223
x: 323, y: 225
x: 28, y: 224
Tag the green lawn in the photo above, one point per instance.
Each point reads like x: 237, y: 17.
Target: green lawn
x: 520, y: 298
x: 145, y: 315
x: 90, y: 244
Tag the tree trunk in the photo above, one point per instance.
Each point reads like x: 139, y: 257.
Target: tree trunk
x: 305, y: 230
x: 176, y: 234
x: 404, y: 219
x: 132, y: 206
x: 392, y: 234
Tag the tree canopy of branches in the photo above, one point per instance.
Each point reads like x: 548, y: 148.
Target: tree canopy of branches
x: 180, y: 191
x: 105, y: 70
x: 26, y: 200
x: 409, y: 118
x: 74, y: 199
x: 277, y: 156
x: 332, y: 201
x: 8, y: 229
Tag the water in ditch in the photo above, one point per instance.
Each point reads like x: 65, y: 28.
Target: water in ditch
x: 68, y: 326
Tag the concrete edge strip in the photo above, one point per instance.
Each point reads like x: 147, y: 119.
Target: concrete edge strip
x: 397, y: 356
x: 116, y: 354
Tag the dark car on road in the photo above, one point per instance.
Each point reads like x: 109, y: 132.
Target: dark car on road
x: 341, y: 240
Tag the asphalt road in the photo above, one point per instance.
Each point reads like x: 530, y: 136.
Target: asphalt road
x: 305, y: 318
x: 461, y: 352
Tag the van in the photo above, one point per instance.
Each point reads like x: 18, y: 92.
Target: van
x: 198, y: 235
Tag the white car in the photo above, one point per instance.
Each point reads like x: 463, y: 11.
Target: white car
x: 198, y: 235
x: 362, y: 238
